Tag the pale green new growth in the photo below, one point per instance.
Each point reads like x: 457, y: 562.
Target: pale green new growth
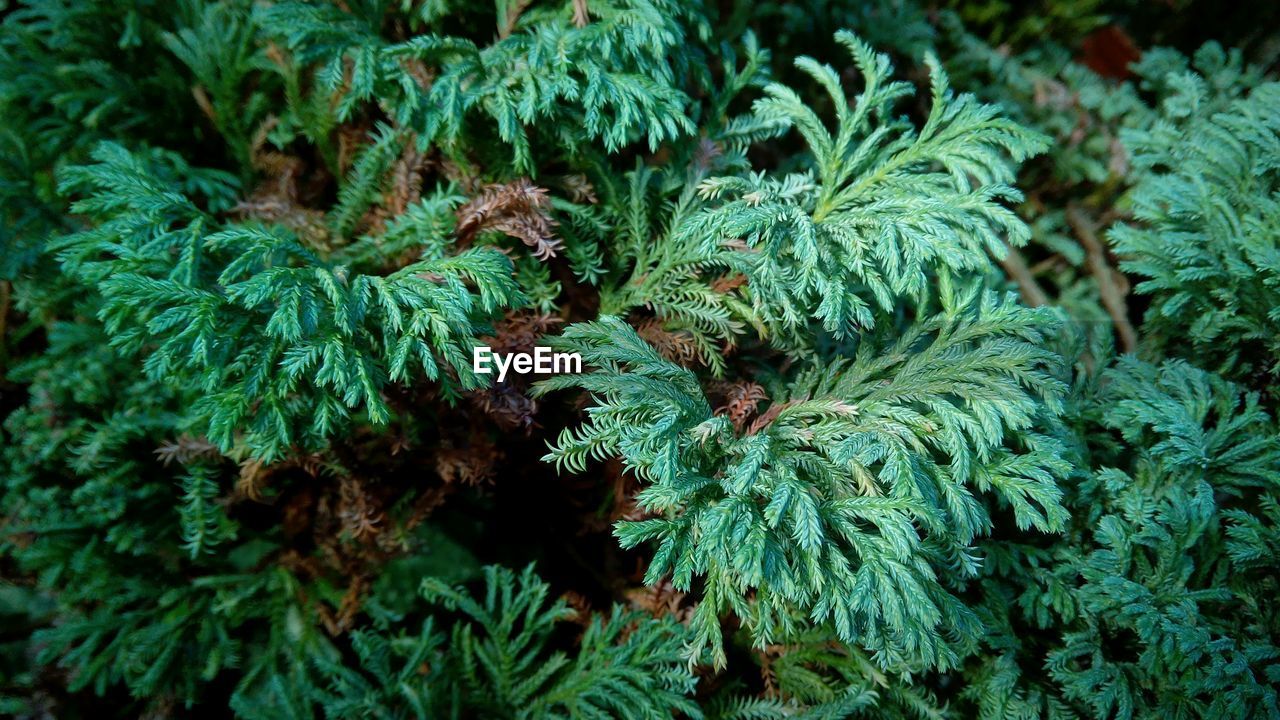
x: 882, y: 208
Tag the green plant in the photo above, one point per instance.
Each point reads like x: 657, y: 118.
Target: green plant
x: 821, y: 462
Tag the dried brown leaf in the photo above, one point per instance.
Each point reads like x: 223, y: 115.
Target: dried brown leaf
x: 358, y: 510
x: 740, y: 402
x: 187, y: 449
x: 678, y: 346
x: 580, y: 189
x: 660, y: 600
x: 518, y: 209
x: 471, y: 465
x: 769, y: 416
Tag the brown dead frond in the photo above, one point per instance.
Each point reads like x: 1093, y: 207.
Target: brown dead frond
x: 520, y: 331
x: 252, y: 478
x: 336, y: 623
x: 508, y: 405
x: 518, y: 209
x: 297, y: 512
x: 678, y: 346
x: 202, y: 101
x: 276, y: 198
x: 769, y: 676
x: 660, y: 600
x: 351, y: 138
x: 358, y: 510
x: 308, y: 224
x: 400, y: 442
x: 428, y: 502
x: 728, y: 283
x: 470, y: 465
x: 254, y: 473
x: 580, y: 189
x: 187, y: 449
x: 404, y: 188
x: 740, y: 401
x: 766, y: 419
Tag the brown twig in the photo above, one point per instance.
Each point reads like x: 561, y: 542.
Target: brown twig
x: 768, y: 416
x: 507, y: 22
x: 5, y: 299
x: 580, y: 14
x: 1111, y: 285
x: 1016, y: 267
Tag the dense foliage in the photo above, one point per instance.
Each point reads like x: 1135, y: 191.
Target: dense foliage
x: 930, y: 360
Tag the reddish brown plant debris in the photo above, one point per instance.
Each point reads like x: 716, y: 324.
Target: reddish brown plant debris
x: 507, y: 405
x: 520, y: 331
x: 1109, y: 51
x: 728, y: 283
x: 404, y: 188
x: 660, y: 600
x: 297, y: 511
x: 706, y: 154
x: 678, y: 346
x: 187, y: 449
x: 740, y: 401
x: 336, y: 623
x: 507, y: 22
x: 518, y: 209
x: 427, y: 503
x: 254, y: 473
x: 351, y: 138
x: 768, y: 676
x: 418, y: 70
x: 580, y: 605
x: 624, y: 486
x: 579, y: 188
x: 769, y: 416
x: 252, y: 478
x: 276, y: 198
x: 361, y: 518
x: 471, y: 465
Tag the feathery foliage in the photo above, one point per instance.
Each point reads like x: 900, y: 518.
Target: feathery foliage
x: 283, y: 343
x: 610, y: 78
x: 1207, y: 202
x: 499, y: 660
x: 823, y: 507
x: 822, y: 460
